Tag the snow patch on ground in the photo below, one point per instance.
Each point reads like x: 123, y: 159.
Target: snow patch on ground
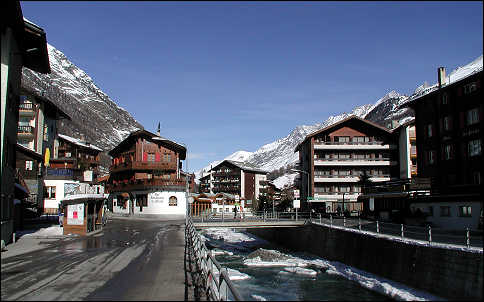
x: 49, y: 231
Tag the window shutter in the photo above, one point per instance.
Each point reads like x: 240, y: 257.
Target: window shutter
x: 157, y: 156
x: 145, y: 156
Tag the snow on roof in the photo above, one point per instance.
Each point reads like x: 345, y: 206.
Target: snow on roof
x: 246, y: 166
x: 456, y: 75
x: 79, y: 142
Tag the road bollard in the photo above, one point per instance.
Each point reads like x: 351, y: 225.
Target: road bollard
x: 320, y: 221
x: 468, y: 238
x: 344, y: 221
x: 359, y: 223
x: 331, y: 219
x: 401, y: 228
x: 377, y: 227
x: 430, y: 235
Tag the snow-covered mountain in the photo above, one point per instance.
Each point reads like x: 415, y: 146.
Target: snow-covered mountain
x: 93, y: 112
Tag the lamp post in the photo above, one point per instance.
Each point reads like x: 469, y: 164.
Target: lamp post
x: 343, y: 204
x: 301, y: 171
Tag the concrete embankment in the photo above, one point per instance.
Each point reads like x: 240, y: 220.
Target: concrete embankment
x: 449, y: 273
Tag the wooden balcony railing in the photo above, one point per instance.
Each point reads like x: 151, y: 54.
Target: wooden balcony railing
x: 141, y: 184
x: 135, y: 165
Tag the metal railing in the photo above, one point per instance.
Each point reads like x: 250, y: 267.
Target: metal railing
x: 466, y: 237
x: 431, y: 235
x: 217, y: 283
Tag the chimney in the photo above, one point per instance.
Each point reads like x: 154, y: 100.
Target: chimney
x: 158, y: 131
x: 441, y: 76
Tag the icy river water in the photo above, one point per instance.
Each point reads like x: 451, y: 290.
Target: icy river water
x: 262, y: 271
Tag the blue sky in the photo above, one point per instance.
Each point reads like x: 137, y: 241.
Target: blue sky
x: 228, y: 76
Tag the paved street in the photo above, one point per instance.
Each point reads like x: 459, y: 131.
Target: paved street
x: 132, y: 259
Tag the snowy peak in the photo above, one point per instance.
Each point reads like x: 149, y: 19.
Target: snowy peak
x: 93, y: 113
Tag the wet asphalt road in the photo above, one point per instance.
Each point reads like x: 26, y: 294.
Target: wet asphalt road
x: 129, y: 260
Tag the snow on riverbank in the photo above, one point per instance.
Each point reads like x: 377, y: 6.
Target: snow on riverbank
x: 295, y: 264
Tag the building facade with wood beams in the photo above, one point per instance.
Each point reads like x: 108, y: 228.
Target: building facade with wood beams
x: 335, y: 158
x: 146, y: 175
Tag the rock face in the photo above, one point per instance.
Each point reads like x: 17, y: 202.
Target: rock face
x: 93, y: 113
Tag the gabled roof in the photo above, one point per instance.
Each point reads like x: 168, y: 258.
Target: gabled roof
x: 242, y: 166
x: 400, y: 127
x: 341, y: 123
x: 182, y: 150
x: 79, y: 142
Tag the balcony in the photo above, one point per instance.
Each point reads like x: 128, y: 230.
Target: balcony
x: 135, y: 165
x: 26, y: 109
x: 25, y: 130
x: 354, y: 162
x: 348, y: 178
x: 144, y: 184
x: 376, y: 145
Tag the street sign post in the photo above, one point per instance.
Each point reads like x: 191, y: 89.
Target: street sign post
x: 296, y: 194
x: 296, y: 203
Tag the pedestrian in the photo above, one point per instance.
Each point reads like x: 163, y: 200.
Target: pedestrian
x: 235, y: 212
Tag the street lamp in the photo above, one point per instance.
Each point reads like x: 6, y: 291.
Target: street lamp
x: 301, y: 171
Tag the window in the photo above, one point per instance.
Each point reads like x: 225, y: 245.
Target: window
x: 445, y: 99
x: 448, y: 154
x: 431, y: 210
x: 447, y: 123
x: 469, y: 88
x: 151, y: 157
x: 342, y: 139
x: 172, y: 201
x: 431, y: 157
x: 476, y: 177
x: 358, y: 139
x: 429, y: 130
x: 444, y: 211
x: 46, y: 133
x: 49, y: 192
x: 472, y: 116
x: 29, y: 165
x: 474, y: 147
x: 167, y: 157
x: 465, y: 211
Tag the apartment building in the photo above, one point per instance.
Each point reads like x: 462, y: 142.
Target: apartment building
x: 335, y: 158
x: 235, y: 178
x: 146, y: 176
x: 449, y: 132
x: 36, y: 136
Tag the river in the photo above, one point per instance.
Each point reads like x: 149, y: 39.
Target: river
x: 263, y: 271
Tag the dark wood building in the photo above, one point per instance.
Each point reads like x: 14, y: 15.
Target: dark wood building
x: 449, y: 129
x: 146, y: 167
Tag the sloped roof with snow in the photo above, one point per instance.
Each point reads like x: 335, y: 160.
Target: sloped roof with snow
x: 243, y: 166
x: 80, y: 143
x: 455, y: 76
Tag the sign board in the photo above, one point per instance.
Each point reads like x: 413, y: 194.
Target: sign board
x: 237, y: 198
x: 296, y: 194
x: 88, y: 175
x: 310, y: 198
x: 296, y: 203
x: 157, y: 197
x: 75, y: 214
